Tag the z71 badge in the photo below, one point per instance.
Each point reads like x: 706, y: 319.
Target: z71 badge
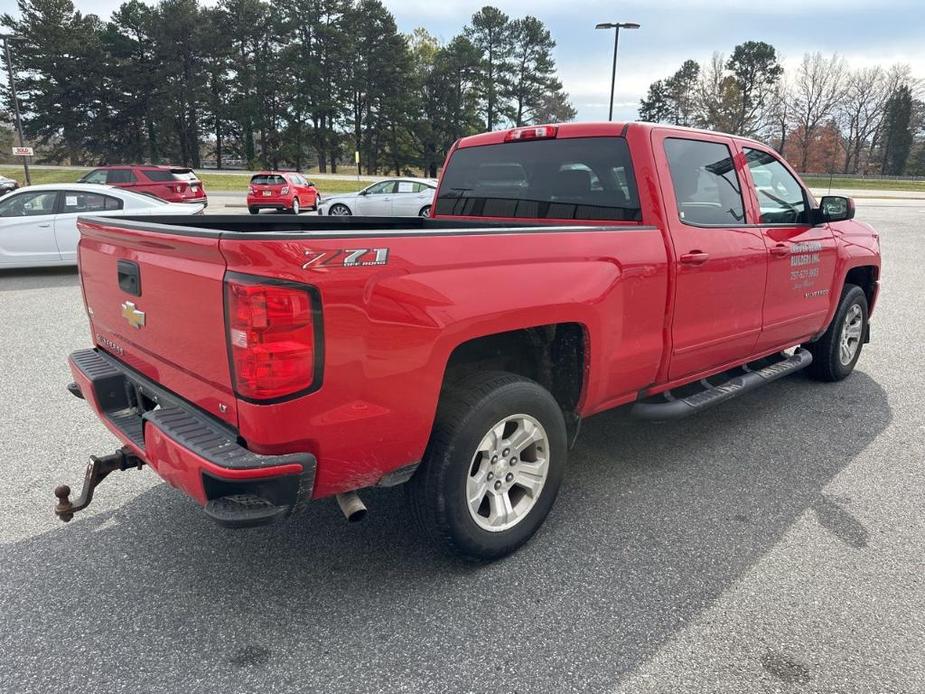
x: 346, y: 257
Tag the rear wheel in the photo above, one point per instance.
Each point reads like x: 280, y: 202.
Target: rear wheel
x: 836, y: 353
x: 253, y: 210
x: 295, y: 206
x: 493, y: 465
x: 425, y: 211
x: 340, y: 211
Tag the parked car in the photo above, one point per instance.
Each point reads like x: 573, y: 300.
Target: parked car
x: 283, y: 191
x: 8, y: 185
x: 38, y: 224
x: 170, y: 183
x: 567, y: 270
x: 394, y: 197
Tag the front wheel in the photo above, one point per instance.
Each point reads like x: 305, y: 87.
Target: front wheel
x: 493, y: 466
x: 339, y: 211
x: 836, y: 353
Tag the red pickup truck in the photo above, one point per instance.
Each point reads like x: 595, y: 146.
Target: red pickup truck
x: 259, y: 364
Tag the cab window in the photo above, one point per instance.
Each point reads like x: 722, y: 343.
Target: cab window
x: 568, y: 178
x: 29, y: 204
x: 780, y: 195
x: 706, y: 185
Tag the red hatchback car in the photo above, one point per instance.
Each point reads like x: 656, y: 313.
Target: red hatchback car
x: 284, y: 191
x: 170, y: 183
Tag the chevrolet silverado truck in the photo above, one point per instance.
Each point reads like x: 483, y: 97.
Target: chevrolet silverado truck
x: 260, y: 364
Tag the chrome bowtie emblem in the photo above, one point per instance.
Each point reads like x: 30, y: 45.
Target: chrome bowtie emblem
x: 134, y: 317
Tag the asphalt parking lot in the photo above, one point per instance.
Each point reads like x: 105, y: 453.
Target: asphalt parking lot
x: 776, y: 543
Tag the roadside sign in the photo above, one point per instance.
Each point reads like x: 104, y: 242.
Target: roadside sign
x: 23, y: 151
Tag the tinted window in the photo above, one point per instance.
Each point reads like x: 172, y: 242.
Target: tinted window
x: 573, y: 178
x: 155, y: 175
x: 76, y: 201
x: 120, y: 176
x: 780, y: 195
x: 98, y: 176
x: 705, y: 182
x: 29, y: 204
x: 271, y: 180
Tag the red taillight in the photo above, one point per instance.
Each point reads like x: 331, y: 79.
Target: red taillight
x: 181, y: 187
x: 284, y: 191
x: 271, y: 338
x: 543, y: 132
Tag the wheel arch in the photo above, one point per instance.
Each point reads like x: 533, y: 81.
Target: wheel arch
x: 554, y: 355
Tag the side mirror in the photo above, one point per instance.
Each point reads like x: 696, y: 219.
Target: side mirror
x: 835, y: 208
x: 310, y: 184
x: 364, y: 192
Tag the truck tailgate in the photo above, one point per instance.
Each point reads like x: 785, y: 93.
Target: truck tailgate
x: 171, y: 327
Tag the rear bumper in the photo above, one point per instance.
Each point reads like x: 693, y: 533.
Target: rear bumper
x: 188, y: 448
x: 269, y: 203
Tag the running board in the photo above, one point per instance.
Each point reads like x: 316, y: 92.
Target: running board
x: 677, y: 408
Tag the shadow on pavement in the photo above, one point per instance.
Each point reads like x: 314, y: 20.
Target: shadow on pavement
x: 653, y: 523
x: 38, y: 278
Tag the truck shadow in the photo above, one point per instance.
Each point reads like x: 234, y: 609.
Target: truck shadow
x: 38, y: 278
x: 653, y: 523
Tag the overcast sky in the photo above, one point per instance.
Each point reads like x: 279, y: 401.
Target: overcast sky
x: 864, y: 31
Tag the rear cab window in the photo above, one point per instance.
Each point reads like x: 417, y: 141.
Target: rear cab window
x: 706, y: 184
x: 588, y: 178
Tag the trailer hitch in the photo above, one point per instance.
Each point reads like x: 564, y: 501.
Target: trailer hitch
x: 97, y: 470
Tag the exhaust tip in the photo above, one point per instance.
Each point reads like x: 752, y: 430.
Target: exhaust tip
x: 351, y: 506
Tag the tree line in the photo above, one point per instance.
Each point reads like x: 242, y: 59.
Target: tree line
x: 823, y: 116
x: 252, y: 83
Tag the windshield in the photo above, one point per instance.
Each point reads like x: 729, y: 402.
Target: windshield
x: 575, y: 178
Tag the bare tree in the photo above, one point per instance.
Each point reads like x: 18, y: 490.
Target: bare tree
x: 860, y: 113
x: 818, y: 90
x: 777, y: 115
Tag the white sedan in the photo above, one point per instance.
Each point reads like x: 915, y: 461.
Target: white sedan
x: 38, y: 224
x: 394, y: 197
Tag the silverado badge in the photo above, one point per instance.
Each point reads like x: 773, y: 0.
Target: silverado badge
x: 134, y: 317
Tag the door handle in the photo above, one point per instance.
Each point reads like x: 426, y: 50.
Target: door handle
x: 695, y: 258
x: 44, y: 226
x: 780, y: 249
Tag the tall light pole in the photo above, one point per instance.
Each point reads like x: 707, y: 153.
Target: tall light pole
x: 9, y: 66
x: 616, y: 26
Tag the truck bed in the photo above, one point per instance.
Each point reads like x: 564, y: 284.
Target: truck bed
x: 281, y: 226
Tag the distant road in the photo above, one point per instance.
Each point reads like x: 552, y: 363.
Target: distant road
x: 230, y: 172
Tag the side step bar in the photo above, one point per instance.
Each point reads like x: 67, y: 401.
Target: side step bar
x: 677, y: 408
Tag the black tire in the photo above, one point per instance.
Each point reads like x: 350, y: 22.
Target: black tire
x: 827, y: 363
x: 467, y: 411
x: 253, y: 210
x: 345, y: 211
x: 425, y: 211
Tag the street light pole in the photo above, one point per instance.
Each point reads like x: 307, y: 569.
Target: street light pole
x: 15, y: 100
x: 616, y: 26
